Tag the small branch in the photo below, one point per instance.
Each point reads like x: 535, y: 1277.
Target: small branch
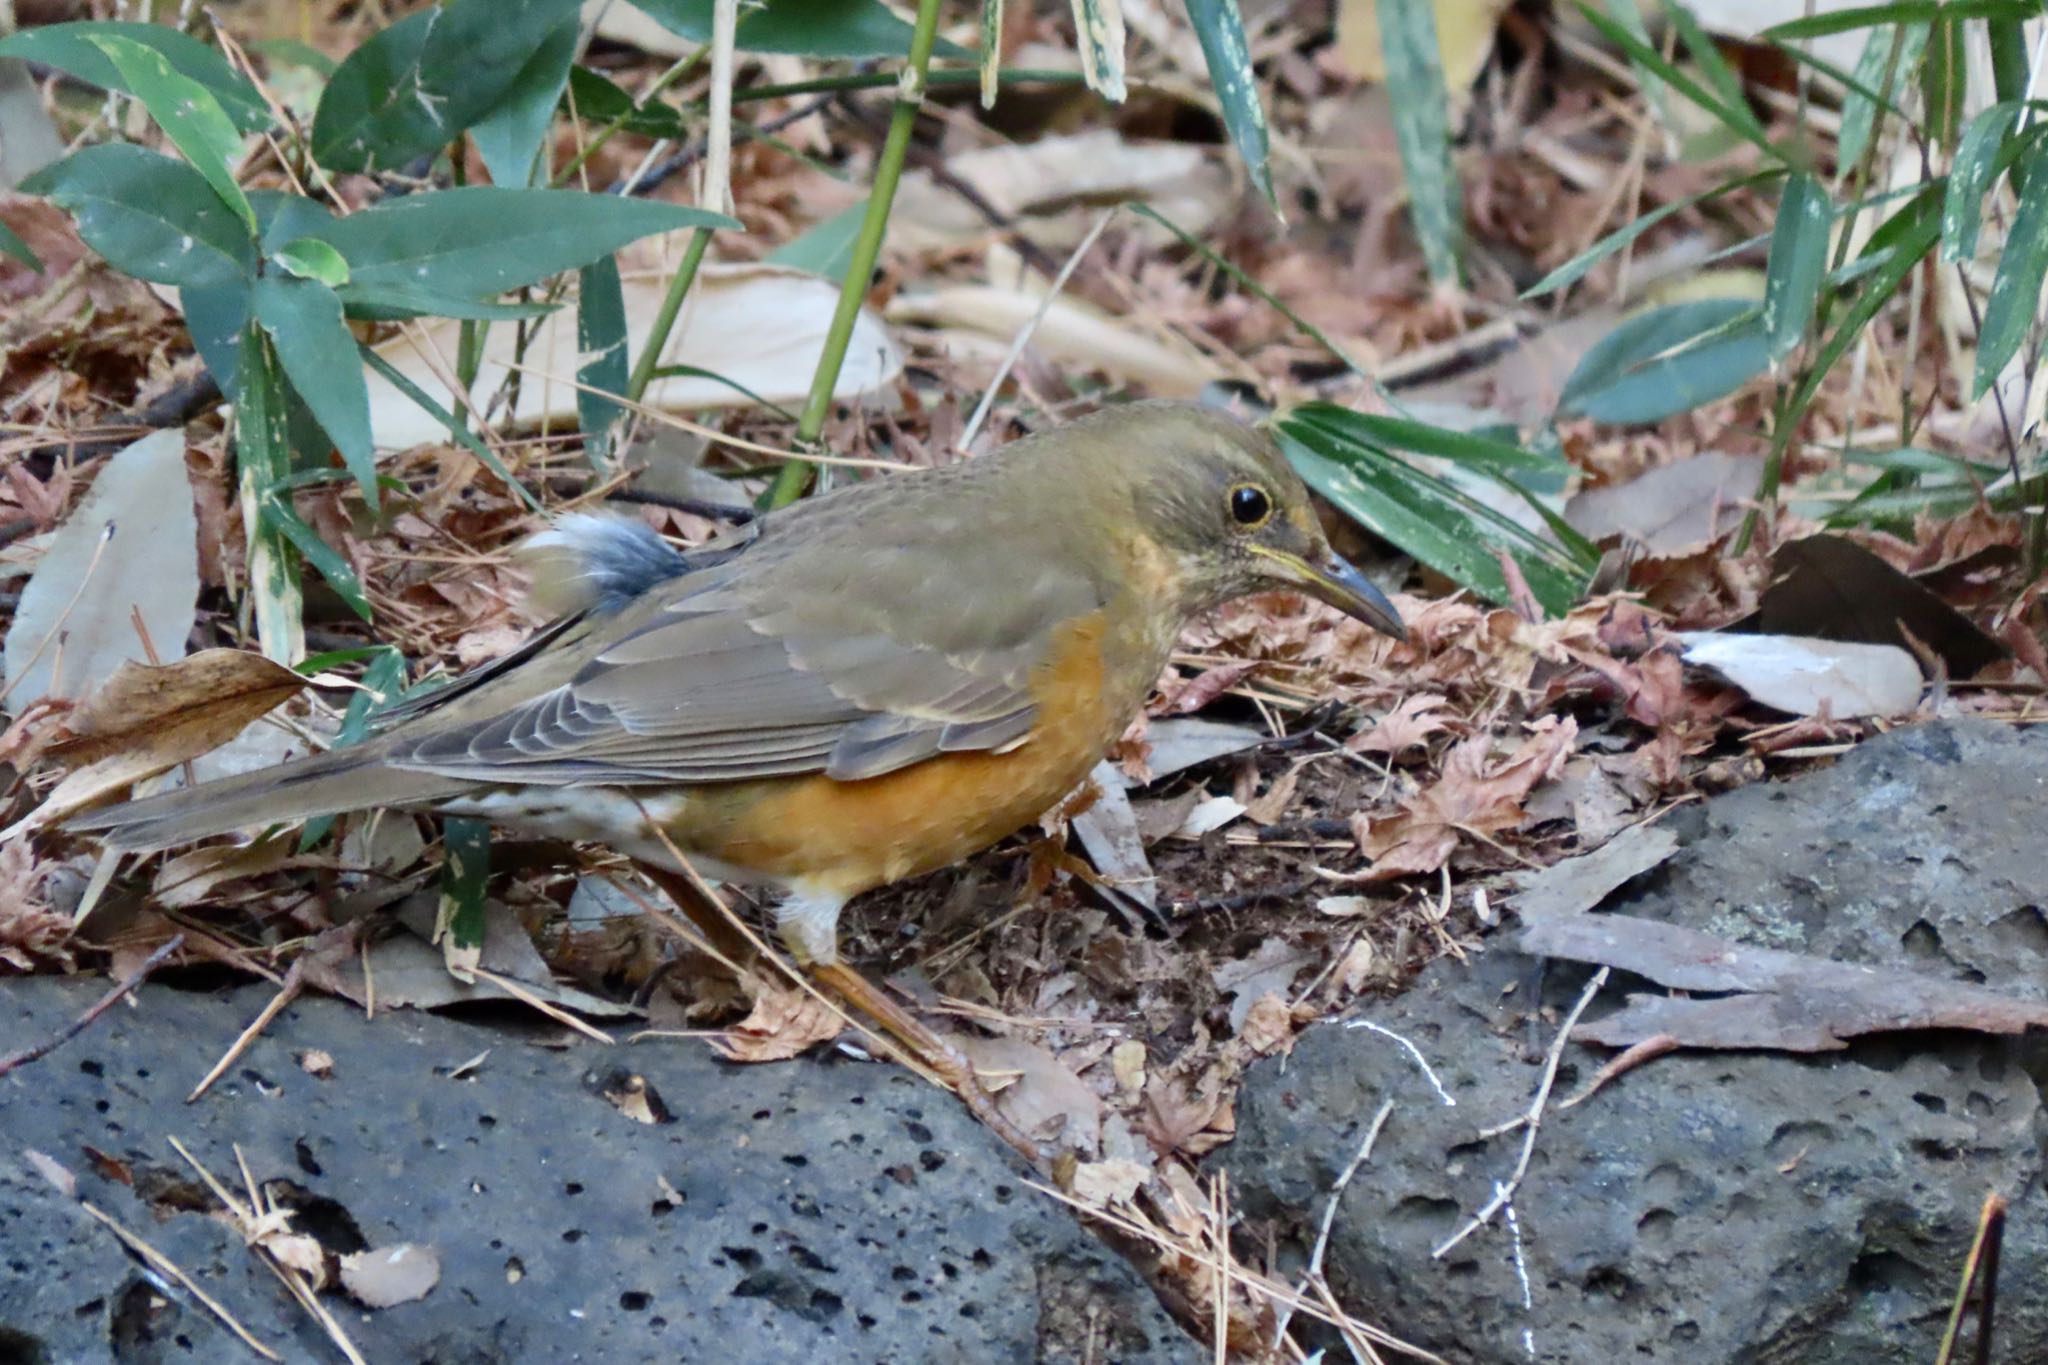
x: 15, y: 1061
x: 1531, y: 1120
x: 293, y: 980
x: 1315, y: 1257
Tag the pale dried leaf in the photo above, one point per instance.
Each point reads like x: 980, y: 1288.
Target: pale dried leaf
x: 786, y: 1020
x: 384, y: 1276
x: 1804, y: 677
x: 1579, y: 884
x: 1099, y: 1184
x: 1269, y: 1024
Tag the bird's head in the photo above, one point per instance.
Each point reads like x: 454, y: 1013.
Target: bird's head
x: 1219, y: 512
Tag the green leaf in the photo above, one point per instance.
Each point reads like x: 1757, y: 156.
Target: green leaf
x: 479, y: 242
x: 1668, y: 360
x: 12, y: 245
x: 1415, y: 87
x: 318, y: 352
x: 807, y: 28
x: 279, y: 517
x: 1944, y: 78
x: 1798, y: 263
x: 410, y: 89
x: 396, y: 301
x: 1902, y: 12
x: 262, y: 459
x: 309, y: 258
x: 1970, y: 178
x: 189, y: 115
x: 466, y: 845
x: 457, y: 430
x: 382, y: 682
x: 1736, y: 118
x: 601, y: 340
x: 1426, y: 517
x: 1889, y: 53
x: 1401, y: 433
x: 1221, y: 30
x: 1575, y: 269
x: 511, y: 136
x: 293, y: 52
x: 70, y: 48
x: 826, y: 248
x: 1099, y: 33
x: 1706, y: 54
x: 602, y: 103
x: 150, y: 216
x: 2016, y: 288
x: 216, y: 317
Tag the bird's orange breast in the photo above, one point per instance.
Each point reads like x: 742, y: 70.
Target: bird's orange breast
x: 848, y: 837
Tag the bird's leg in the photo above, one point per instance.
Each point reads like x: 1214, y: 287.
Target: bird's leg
x: 928, y: 1048
x: 808, y: 922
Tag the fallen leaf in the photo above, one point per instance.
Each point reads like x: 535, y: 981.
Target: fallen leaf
x: 1803, y: 677
x: 1099, y: 1184
x: 130, y: 549
x: 1474, y: 794
x: 1408, y: 726
x: 187, y: 879
x: 1268, y: 1024
x: 1672, y: 509
x: 384, y: 1276
x: 1578, y: 884
x: 409, y: 972
x: 1069, y: 334
x: 314, y: 1062
x: 1046, y: 1099
x: 1109, y: 833
x: 786, y: 1020
x: 1192, y: 1118
x: 1834, y: 589
x: 32, y: 935
x: 1211, y: 813
x: 1464, y: 37
x: 1127, y: 1064
x: 1268, y: 971
x: 1764, y: 997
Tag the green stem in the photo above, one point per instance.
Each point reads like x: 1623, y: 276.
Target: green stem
x: 469, y: 348
x: 867, y: 247
x: 871, y: 80
x: 665, y: 320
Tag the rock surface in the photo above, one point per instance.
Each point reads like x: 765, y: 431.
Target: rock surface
x: 821, y: 1210
x: 1708, y: 1207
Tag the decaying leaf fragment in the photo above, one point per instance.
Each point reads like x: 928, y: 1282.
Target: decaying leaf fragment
x: 1474, y: 793
x: 149, y: 717
x: 1762, y: 997
x: 384, y: 1276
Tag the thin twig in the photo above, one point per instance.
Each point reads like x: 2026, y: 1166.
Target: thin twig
x: 1315, y: 1256
x: 1531, y: 1120
x: 1025, y: 334
x: 16, y: 1060
x: 293, y: 980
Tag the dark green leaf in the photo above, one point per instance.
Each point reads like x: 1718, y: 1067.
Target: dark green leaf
x: 826, y: 248
x: 510, y: 137
x: 70, y: 48
x: 1401, y: 433
x: 1668, y: 360
x: 1221, y: 30
x: 807, y: 28
x: 12, y: 245
x: 309, y: 258
x: 466, y: 845
x: 2008, y: 38
x: 1424, y: 516
x: 278, y: 516
x: 1970, y: 178
x: 601, y: 340
x: 303, y: 318
x: 189, y: 115
x: 1415, y: 87
x: 1706, y: 55
x: 602, y: 103
x: 481, y: 241
x: 292, y: 52
x: 2016, y: 288
x: 216, y: 317
x: 1944, y: 78
x: 1798, y: 263
x: 410, y: 89
x: 1902, y: 12
x: 396, y: 301
x: 383, y: 680
x: 152, y: 217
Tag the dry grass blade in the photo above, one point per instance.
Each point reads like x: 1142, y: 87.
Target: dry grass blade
x: 164, y: 1265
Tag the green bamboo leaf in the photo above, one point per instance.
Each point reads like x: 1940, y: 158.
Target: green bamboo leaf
x: 150, y: 216
x: 309, y: 258
x: 1426, y: 517
x: 189, y: 115
x: 71, y: 48
x: 851, y: 29
x: 383, y: 682
x: 1415, y: 87
x: 991, y: 49
x: 12, y: 245
x: 1970, y: 177
x: 410, y: 89
x: 458, y: 430
x: 511, y: 136
x: 1221, y: 30
x: 1668, y: 360
x: 1798, y: 263
x: 604, y: 372
x: 1706, y: 54
x: 2016, y: 288
x: 1572, y: 271
x: 1888, y: 55
x: 1736, y: 118
x: 826, y: 248
x: 279, y: 517
x: 318, y: 353
x: 1901, y: 12
x: 600, y: 102
x: 263, y: 458
x: 1099, y: 29
x: 1401, y: 433
x: 1944, y: 78
x: 459, y: 926
x: 2009, y: 57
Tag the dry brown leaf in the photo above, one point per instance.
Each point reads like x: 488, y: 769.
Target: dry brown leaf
x: 1474, y: 794
x: 384, y: 1276
x: 1099, y: 1184
x: 1408, y: 726
x: 786, y: 1020
x: 1046, y: 1099
x: 186, y: 880
x: 1578, y: 884
x: 149, y: 717
x: 31, y: 934
x: 1269, y: 1024
x: 314, y: 1062
x: 1127, y: 1064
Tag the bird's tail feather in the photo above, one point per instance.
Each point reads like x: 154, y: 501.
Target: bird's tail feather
x: 325, y: 784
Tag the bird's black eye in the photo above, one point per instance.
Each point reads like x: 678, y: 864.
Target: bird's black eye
x: 1249, y: 505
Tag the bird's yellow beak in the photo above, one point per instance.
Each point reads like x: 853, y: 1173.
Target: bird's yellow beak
x: 1338, y: 582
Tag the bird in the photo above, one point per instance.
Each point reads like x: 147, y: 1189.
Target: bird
x: 868, y: 685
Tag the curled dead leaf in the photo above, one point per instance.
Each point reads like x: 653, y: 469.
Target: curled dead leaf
x: 785, y: 1021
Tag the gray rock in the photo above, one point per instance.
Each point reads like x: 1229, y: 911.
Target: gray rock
x: 829, y: 1210
x: 1708, y: 1207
